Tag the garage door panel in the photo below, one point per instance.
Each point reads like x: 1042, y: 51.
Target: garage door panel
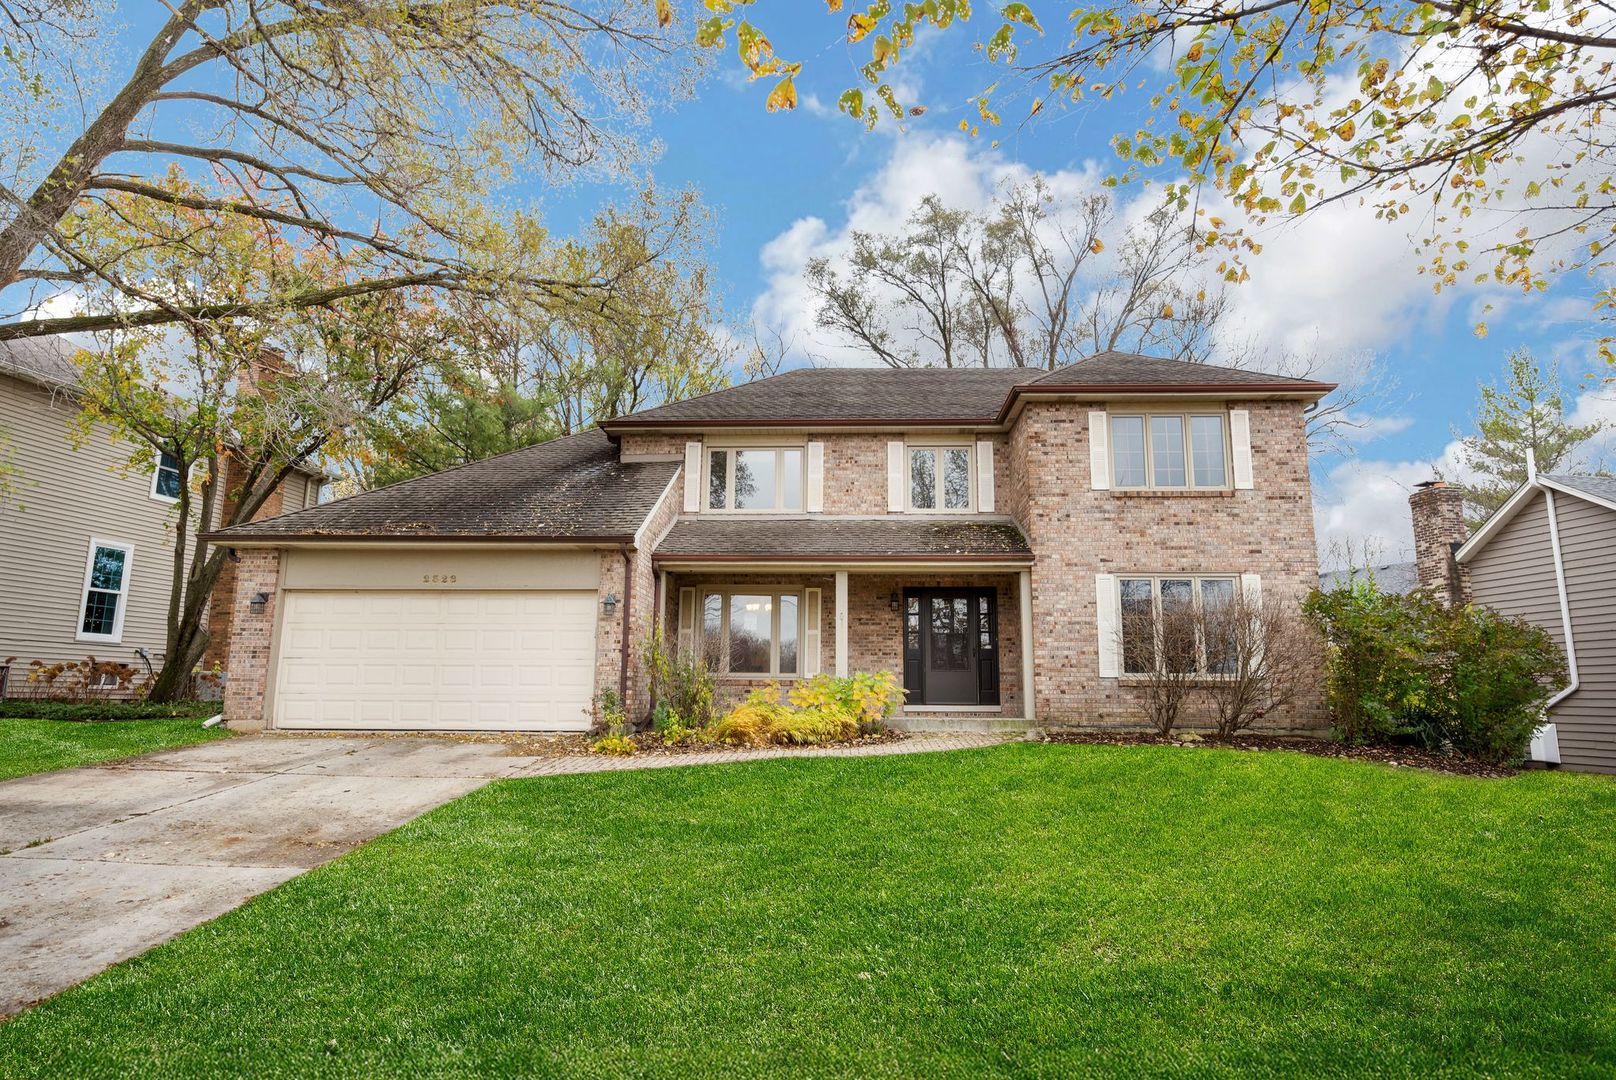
x: 445, y: 660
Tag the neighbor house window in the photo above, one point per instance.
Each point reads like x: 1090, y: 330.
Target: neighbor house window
x: 1168, y: 451
x: 1171, y: 623
x: 106, y: 591
x: 763, y: 479
x: 166, y: 479
x: 939, y: 477
x: 752, y: 633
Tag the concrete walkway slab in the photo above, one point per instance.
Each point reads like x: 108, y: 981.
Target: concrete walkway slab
x: 420, y: 758
x: 138, y: 851
x: 285, y: 820
x: 44, y: 807
x: 62, y: 920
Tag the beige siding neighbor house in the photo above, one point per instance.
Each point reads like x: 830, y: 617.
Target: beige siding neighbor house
x: 978, y: 533
x: 86, y: 545
x: 1544, y: 556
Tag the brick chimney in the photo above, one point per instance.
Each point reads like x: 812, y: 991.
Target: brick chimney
x: 1439, y: 529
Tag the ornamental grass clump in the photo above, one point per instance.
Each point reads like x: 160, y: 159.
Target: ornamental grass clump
x: 823, y: 709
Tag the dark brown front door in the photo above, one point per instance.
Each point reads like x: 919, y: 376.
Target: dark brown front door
x: 951, y: 647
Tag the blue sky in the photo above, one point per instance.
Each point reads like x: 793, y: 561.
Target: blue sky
x: 1340, y: 285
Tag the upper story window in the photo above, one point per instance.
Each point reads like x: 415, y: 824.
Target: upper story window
x: 166, y: 479
x: 106, y: 591
x: 766, y: 478
x: 939, y: 477
x: 1169, y: 450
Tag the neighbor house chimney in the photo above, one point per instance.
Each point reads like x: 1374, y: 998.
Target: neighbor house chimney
x: 1439, y: 529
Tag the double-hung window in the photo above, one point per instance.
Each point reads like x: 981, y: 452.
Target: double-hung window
x: 106, y: 591
x: 762, y: 479
x: 939, y: 477
x: 1169, y: 450
x: 1178, y: 623
x: 166, y: 478
x: 752, y: 633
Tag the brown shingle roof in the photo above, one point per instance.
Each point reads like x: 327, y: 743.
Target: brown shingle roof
x: 808, y: 539
x: 573, y: 488
x: 853, y: 396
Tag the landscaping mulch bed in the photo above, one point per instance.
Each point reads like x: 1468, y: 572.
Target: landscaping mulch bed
x: 650, y: 743
x: 1408, y: 757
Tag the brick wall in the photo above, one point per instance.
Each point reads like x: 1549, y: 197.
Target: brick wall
x: 874, y: 630
x: 652, y: 445
x: 258, y: 571
x: 1438, y: 512
x: 222, y: 602
x: 1078, y: 532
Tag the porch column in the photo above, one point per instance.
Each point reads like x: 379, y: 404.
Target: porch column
x: 1027, y: 699
x: 841, y: 624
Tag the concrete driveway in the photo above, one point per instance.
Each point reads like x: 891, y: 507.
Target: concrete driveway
x: 102, y: 863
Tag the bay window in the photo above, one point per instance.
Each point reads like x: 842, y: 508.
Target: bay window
x: 752, y: 633
x: 1168, y: 450
x: 761, y: 479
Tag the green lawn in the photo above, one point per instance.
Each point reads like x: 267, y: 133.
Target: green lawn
x: 34, y: 746
x: 1037, y: 910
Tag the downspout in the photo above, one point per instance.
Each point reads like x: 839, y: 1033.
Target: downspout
x: 628, y: 611
x: 1565, y: 606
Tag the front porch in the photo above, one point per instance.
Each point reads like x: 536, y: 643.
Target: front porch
x: 955, y: 638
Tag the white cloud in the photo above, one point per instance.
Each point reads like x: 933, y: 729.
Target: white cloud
x: 1360, y: 504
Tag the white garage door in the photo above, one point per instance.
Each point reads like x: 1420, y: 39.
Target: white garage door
x: 521, y: 661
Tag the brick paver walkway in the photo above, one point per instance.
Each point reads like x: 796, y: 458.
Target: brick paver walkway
x: 926, y: 743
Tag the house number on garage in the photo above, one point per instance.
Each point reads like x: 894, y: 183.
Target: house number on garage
x: 438, y: 579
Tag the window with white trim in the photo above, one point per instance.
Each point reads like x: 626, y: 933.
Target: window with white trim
x: 106, y: 591
x: 757, y: 479
x: 166, y: 479
x: 1171, y: 623
x: 752, y: 632
x: 1169, y: 450
x: 939, y: 477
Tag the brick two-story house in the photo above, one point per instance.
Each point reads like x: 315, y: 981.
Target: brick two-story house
x: 979, y: 532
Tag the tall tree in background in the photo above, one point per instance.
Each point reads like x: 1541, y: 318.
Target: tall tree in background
x: 520, y: 371
x: 374, y: 131
x: 1525, y: 411
x: 1485, y: 125
x: 1033, y: 281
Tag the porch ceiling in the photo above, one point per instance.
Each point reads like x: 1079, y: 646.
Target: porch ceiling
x: 836, y: 539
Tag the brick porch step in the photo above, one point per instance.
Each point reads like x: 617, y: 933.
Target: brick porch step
x: 985, y: 725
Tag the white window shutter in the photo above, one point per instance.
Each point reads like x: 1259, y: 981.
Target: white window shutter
x: 810, y: 635
x: 814, y: 499
x: 687, y: 622
x: 1108, y: 622
x: 984, y: 476
x: 1240, y: 437
x: 692, y: 477
x: 1099, y: 451
x: 1251, y: 589
x: 895, y: 498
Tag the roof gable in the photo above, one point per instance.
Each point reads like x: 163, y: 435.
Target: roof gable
x: 1598, y: 490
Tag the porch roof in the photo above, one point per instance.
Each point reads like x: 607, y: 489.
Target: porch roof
x: 821, y: 539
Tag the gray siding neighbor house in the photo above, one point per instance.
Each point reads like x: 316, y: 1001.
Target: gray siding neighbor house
x: 1545, y: 556
x: 86, y: 544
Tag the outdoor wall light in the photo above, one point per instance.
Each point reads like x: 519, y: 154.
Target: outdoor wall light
x: 892, y: 601
x: 257, y: 604
x: 610, y: 603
